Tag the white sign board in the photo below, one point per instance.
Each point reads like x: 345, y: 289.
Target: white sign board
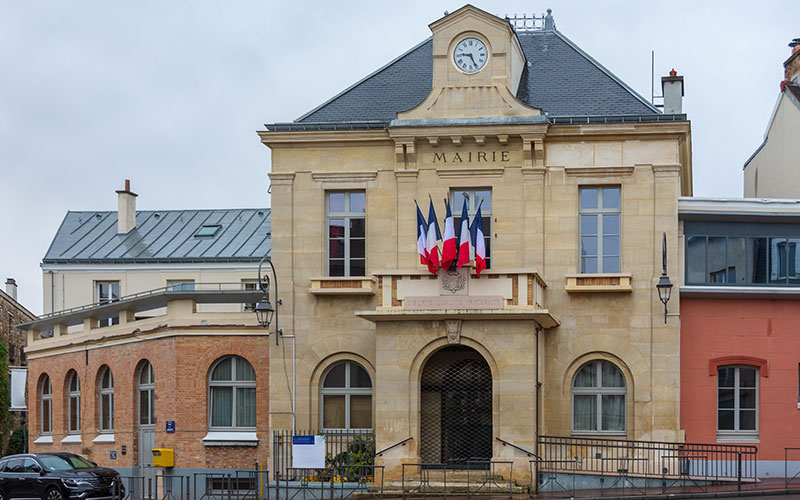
x: 18, y: 377
x: 308, y: 452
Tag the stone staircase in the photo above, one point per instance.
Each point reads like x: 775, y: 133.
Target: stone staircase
x: 438, y: 482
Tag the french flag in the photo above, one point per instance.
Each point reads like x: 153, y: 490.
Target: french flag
x: 449, y: 245
x: 422, y: 235
x: 434, y: 236
x: 478, y: 241
x: 463, y: 237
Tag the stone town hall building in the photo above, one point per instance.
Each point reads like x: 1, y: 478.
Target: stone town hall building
x: 564, y: 333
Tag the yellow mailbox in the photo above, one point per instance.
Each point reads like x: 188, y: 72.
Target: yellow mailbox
x: 163, y: 457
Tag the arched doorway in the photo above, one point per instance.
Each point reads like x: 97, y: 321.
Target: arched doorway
x: 456, y: 407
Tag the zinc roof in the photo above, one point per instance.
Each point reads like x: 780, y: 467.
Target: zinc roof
x: 162, y: 236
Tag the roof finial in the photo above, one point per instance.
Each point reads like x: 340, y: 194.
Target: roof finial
x: 549, y: 24
x: 673, y: 72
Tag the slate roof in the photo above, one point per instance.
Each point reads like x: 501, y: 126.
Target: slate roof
x: 560, y: 78
x: 162, y: 236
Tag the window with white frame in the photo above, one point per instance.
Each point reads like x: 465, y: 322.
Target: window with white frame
x: 346, y: 220
x: 249, y: 285
x: 106, y: 292
x: 600, y: 229
x: 476, y: 197
x: 347, y: 397
x: 73, y: 403
x: 147, y: 395
x: 46, y: 406
x: 232, y: 394
x: 598, y: 399
x: 737, y: 402
x: 106, y: 395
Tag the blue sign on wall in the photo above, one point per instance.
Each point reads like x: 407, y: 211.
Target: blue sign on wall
x: 170, y: 426
x: 113, y: 455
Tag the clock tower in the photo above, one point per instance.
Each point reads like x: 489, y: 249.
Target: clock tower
x: 477, y: 66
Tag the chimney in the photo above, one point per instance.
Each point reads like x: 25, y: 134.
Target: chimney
x: 672, y: 90
x: 126, y: 209
x: 549, y: 23
x: 792, y: 65
x: 11, y: 288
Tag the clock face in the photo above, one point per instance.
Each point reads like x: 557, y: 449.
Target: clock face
x: 470, y: 55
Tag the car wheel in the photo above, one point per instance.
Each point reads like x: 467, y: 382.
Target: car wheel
x: 3, y: 495
x: 53, y: 494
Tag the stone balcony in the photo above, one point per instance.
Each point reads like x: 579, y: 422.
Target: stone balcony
x: 461, y: 294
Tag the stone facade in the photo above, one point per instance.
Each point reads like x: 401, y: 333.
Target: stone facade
x: 464, y: 136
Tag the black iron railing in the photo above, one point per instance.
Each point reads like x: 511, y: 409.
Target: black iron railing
x: 706, y: 462
x: 342, y: 448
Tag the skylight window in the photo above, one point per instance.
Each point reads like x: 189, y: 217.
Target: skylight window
x: 207, y: 231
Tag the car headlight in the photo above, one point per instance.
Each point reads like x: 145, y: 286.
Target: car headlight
x: 74, y: 483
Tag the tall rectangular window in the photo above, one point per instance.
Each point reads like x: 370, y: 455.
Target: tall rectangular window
x: 600, y: 229
x: 476, y: 197
x: 737, y: 402
x: 105, y: 292
x: 249, y: 285
x: 346, y: 220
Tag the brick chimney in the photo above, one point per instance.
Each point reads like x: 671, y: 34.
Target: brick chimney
x: 792, y: 65
x: 126, y: 209
x: 672, y: 90
x: 11, y: 288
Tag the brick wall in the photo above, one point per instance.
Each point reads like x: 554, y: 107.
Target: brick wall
x: 792, y: 65
x: 181, y: 367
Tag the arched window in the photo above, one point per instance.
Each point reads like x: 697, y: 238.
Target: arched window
x: 232, y: 394
x: 73, y: 403
x: 147, y: 393
x: 347, y: 397
x: 598, y: 398
x: 46, y: 404
x: 106, y: 400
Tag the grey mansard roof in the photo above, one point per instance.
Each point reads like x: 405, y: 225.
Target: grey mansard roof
x: 162, y: 236
x: 560, y: 78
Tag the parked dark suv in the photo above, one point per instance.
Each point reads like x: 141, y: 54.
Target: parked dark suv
x: 56, y: 476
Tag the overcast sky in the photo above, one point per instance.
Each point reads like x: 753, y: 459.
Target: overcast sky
x: 170, y: 94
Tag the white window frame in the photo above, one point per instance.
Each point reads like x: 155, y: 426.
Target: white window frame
x: 73, y: 395
x: 100, y: 299
x: 106, y: 396
x: 456, y: 204
x: 46, y: 401
x: 236, y: 385
x: 601, y: 212
x: 347, y: 215
x: 345, y: 391
x: 599, y: 391
x: 737, y: 434
x: 148, y: 387
x: 249, y: 284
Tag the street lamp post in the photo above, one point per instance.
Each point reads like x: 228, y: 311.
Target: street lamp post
x: 265, y: 312
x: 664, y: 286
x: 264, y: 309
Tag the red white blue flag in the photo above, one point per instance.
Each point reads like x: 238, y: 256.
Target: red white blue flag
x: 449, y: 244
x: 434, y: 236
x: 464, y: 236
x: 422, y: 235
x: 479, y: 242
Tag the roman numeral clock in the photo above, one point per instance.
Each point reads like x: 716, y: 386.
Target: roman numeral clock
x: 470, y: 55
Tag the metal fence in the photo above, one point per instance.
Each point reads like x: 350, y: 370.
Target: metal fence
x: 235, y: 484
x: 343, y: 448
x: 639, y: 465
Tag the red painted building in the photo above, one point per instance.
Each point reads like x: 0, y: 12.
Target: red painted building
x: 740, y: 326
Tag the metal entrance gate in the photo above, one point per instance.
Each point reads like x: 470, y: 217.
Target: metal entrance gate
x: 456, y: 408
